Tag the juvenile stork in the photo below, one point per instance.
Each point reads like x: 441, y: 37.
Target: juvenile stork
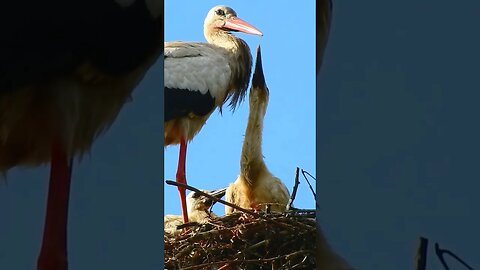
x: 256, y: 187
x: 200, y: 77
x: 66, y: 70
x: 198, y: 207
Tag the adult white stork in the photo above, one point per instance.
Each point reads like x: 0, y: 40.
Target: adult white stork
x: 256, y: 186
x: 66, y: 70
x: 200, y: 77
x: 198, y: 206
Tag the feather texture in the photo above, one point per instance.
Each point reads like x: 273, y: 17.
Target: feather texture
x: 67, y: 69
x: 198, y: 67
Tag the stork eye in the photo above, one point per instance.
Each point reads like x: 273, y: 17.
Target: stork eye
x: 220, y: 12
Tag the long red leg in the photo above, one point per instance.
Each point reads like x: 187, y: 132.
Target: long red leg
x: 53, y: 254
x: 181, y: 178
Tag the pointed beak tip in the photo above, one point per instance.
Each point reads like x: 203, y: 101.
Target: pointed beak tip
x: 257, y: 33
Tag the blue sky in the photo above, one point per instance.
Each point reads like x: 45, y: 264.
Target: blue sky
x: 289, y: 132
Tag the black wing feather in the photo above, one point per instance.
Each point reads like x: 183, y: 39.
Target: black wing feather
x: 181, y: 102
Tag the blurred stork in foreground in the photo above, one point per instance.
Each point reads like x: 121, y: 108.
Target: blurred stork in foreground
x: 256, y: 187
x: 199, y: 77
x: 326, y: 257
x: 198, y: 207
x: 66, y: 70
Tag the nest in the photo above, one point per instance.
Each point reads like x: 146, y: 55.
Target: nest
x: 245, y: 241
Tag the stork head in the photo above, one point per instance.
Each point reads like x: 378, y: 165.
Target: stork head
x: 199, y: 202
x: 224, y: 19
x: 259, y: 92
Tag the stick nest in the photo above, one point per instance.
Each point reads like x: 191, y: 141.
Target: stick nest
x: 245, y: 241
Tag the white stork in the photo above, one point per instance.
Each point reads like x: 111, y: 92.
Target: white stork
x: 200, y: 77
x: 256, y: 187
x: 66, y: 70
x: 198, y: 207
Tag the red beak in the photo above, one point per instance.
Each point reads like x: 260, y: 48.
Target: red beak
x: 237, y: 24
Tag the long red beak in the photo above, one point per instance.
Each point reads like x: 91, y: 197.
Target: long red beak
x: 237, y: 24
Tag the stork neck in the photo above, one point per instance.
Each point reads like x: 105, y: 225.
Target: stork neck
x: 222, y: 39
x: 251, y: 161
x: 240, y: 63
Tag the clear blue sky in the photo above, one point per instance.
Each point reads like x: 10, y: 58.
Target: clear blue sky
x: 289, y: 134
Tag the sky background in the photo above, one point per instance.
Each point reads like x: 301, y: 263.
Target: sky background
x: 213, y: 156
x: 398, y: 131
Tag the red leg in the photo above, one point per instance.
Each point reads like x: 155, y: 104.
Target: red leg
x: 53, y: 254
x: 181, y: 178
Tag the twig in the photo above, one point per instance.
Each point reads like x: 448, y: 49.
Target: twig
x: 301, y: 213
x: 421, y: 256
x: 183, y: 251
x: 294, y: 190
x: 310, y: 186
x: 174, y: 183
x: 188, y: 224
x: 309, y: 174
x: 202, y: 235
x: 440, y: 253
x: 252, y: 247
x: 225, y: 267
x: 299, y: 264
x: 308, y: 182
x: 199, y: 266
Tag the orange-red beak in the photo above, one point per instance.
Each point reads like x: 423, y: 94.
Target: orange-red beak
x: 236, y: 24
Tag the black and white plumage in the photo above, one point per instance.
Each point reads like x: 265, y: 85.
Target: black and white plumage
x: 66, y: 70
x: 200, y: 77
x: 72, y: 65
